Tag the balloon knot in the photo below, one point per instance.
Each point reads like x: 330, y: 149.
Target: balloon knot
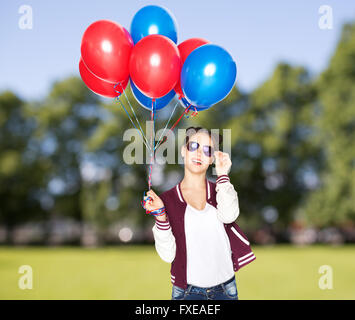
x: 194, y: 114
x: 119, y: 91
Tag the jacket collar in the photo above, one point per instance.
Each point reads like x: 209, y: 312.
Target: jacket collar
x: 181, y: 198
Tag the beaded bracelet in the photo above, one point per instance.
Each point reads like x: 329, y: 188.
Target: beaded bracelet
x: 157, y: 212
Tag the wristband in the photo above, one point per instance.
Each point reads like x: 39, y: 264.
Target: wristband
x: 157, y: 212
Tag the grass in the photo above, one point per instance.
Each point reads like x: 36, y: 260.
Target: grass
x: 136, y: 272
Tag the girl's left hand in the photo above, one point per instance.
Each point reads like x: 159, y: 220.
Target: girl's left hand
x: 223, y: 163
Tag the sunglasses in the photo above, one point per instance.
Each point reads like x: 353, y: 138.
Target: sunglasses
x: 193, y: 146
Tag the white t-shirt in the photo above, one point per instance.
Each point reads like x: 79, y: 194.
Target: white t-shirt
x: 208, y: 250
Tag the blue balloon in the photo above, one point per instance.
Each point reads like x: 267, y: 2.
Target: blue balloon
x: 185, y: 104
x: 153, y: 20
x: 208, y: 75
x: 146, y: 102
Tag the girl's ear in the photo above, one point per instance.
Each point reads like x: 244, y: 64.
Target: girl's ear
x: 183, y: 151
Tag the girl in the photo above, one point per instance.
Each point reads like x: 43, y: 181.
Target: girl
x: 196, y: 231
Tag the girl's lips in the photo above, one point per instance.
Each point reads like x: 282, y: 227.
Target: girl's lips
x: 197, y: 162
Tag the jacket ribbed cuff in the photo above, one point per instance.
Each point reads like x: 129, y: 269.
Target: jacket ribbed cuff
x: 162, y: 225
x: 222, y: 179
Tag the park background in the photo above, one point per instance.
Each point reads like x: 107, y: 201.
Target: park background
x: 70, y: 207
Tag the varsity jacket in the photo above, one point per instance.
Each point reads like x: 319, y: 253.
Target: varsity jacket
x: 170, y: 241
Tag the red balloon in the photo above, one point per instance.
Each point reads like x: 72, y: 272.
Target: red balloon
x: 99, y: 86
x: 106, y: 48
x: 155, y: 65
x: 185, y: 48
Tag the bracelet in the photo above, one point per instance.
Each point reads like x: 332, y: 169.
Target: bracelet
x: 157, y: 212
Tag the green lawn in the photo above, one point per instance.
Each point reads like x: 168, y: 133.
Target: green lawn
x: 136, y: 272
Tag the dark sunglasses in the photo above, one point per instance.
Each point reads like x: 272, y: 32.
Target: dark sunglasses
x: 193, y: 146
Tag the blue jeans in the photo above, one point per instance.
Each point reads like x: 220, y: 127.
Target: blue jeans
x: 225, y: 291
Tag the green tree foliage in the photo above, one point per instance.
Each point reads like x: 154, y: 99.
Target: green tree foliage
x: 333, y: 202
x: 271, y: 149
x: 65, y: 120
x: 21, y: 173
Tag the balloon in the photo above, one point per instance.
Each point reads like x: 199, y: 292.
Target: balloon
x: 184, y: 103
x: 98, y: 86
x: 146, y: 102
x: 155, y: 65
x: 153, y: 20
x: 185, y: 48
x: 208, y: 75
x: 106, y: 48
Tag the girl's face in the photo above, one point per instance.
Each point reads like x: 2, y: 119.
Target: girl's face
x: 197, y: 161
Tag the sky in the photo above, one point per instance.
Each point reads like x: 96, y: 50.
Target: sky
x: 258, y: 35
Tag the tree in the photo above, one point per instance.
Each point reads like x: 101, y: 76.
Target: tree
x: 65, y: 120
x: 333, y: 201
x: 271, y: 146
x: 21, y: 175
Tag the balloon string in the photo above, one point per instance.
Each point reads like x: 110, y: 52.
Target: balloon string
x: 174, y: 125
x: 132, y: 109
x: 162, y: 134
x: 194, y: 113
x: 178, y: 120
x: 152, y: 119
x: 128, y: 115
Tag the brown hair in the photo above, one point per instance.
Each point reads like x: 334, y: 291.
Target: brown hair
x: 216, y: 138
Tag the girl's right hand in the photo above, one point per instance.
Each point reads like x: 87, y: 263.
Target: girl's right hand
x: 154, y: 203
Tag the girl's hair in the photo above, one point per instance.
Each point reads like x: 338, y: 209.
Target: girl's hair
x: 215, y: 137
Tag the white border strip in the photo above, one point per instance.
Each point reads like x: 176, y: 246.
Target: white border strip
x: 178, y: 191
x: 240, y: 236
x: 247, y: 260
x: 222, y: 180
x: 246, y: 256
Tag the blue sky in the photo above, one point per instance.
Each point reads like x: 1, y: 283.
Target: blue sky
x: 258, y: 34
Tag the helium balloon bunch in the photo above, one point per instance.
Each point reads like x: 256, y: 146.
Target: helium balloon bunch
x: 198, y: 72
